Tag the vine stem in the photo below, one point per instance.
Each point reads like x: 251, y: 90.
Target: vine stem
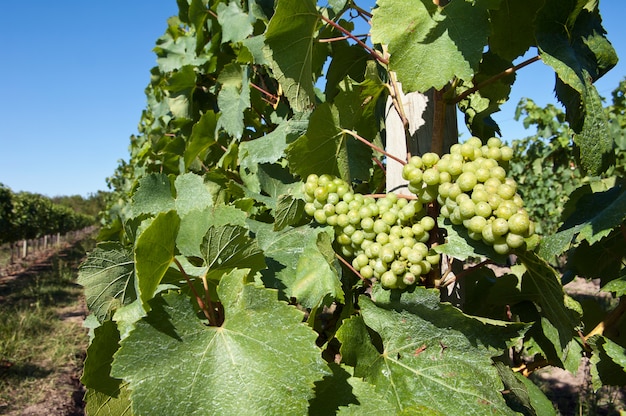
x: 373, y: 146
x: 346, y: 32
x: 207, y: 311
x: 493, y: 79
x: 360, y: 10
x: 273, y: 99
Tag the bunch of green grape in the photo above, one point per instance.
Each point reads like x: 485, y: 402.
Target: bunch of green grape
x: 386, y: 238
x: 472, y: 189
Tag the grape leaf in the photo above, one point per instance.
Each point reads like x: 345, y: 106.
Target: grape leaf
x: 154, y: 252
x: 227, y: 247
x: 523, y: 395
x: 343, y: 394
x: 233, y: 99
x: 153, y: 195
x: 609, y: 362
x: 108, y: 276
x: 580, y: 54
x: 543, y: 283
x: 101, y: 404
x: 594, y: 216
x: 327, y: 148
x: 191, y: 194
x: 194, y: 226
x: 513, y: 27
x: 236, y: 25
x: 298, y: 263
x: 289, y: 43
x: 202, y: 137
x: 268, y: 149
x: 420, y: 353
x: 201, y: 370
x: 289, y: 211
x: 173, y: 54
x: 97, y: 368
x: 428, y: 45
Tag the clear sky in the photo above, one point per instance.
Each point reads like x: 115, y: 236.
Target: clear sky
x: 73, y: 77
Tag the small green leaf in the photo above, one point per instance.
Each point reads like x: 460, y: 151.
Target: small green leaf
x: 523, y: 395
x: 343, y: 395
x: 198, y: 369
x: 194, y: 226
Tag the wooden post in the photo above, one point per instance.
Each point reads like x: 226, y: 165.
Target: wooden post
x: 421, y: 112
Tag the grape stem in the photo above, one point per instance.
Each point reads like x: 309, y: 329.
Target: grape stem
x: 373, y: 146
x: 349, y: 266
x: 208, y: 312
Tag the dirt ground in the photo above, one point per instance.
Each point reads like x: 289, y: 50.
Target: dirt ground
x: 63, y: 393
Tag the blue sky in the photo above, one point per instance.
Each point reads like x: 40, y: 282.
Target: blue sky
x: 73, y: 76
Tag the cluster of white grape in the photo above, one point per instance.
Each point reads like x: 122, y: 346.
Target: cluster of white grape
x: 472, y: 189
x: 385, y: 237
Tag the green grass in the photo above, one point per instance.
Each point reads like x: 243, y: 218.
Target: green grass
x: 37, y: 345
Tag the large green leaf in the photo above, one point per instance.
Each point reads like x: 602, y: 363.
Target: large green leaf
x: 289, y: 39
x: 431, y: 45
x: 154, y: 252
x: 327, y: 148
x: 177, y: 365
x: 174, y: 53
x: 419, y: 354
x: 108, y: 275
